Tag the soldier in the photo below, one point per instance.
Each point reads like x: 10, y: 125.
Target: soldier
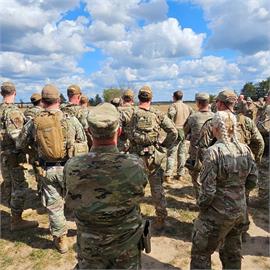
x: 240, y: 105
x: 58, y: 137
x: 104, y: 189
x: 247, y: 132
x: 264, y: 167
x: 260, y: 104
x: 179, y: 113
x: 192, y: 129
x: 145, y: 124
x: 13, y: 172
x: 228, y: 171
x: 128, y: 98
x: 116, y: 102
x: 250, y: 109
x: 37, y: 107
x: 84, y: 101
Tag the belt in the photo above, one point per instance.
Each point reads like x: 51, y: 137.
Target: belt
x: 52, y: 163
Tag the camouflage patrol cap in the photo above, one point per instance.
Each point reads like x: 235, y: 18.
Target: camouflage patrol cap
x: 35, y: 97
x: 73, y: 90
x: 116, y: 101
x: 50, y: 91
x: 84, y: 99
x: 103, y: 121
x: 202, y: 96
x: 7, y: 88
x: 227, y: 96
x: 146, y: 90
x: 128, y: 93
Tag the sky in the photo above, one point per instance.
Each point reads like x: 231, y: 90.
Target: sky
x: 192, y: 45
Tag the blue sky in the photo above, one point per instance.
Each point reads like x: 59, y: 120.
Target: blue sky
x: 196, y: 45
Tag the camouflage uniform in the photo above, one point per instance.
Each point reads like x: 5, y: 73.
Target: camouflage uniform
x: 52, y: 175
x: 192, y: 128
x: 225, y: 178
x: 104, y: 189
x: 144, y: 127
x: 178, y: 112
x: 12, y: 161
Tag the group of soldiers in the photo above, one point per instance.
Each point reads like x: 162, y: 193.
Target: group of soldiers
x: 104, y: 186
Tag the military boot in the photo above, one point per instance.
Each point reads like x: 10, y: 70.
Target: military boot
x: 159, y: 224
x: 61, y: 243
x: 17, y: 223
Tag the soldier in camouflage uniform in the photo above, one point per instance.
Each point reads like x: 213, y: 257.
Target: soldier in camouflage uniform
x: 247, y: 133
x: 104, y: 189
x: 30, y: 113
x: 144, y: 125
x: 192, y: 129
x: 228, y: 171
x: 179, y: 113
x: 71, y: 137
x: 250, y: 109
x: 264, y: 167
x: 12, y: 169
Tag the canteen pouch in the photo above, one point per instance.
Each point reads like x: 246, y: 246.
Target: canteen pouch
x: 80, y: 149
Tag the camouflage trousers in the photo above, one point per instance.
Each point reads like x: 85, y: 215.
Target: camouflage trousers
x: 177, y: 153
x: 52, y: 192
x: 194, y: 173
x: 264, y: 178
x: 155, y: 177
x: 211, y: 230
x: 14, y: 184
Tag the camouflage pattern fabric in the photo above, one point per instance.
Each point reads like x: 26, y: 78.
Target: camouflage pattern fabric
x: 192, y: 129
x: 52, y: 176
x: 149, y: 151
x: 32, y: 112
x: 226, y: 175
x: 12, y: 161
x: 104, y: 189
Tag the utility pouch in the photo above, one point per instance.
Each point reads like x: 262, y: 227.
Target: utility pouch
x: 145, y: 241
x: 80, y: 148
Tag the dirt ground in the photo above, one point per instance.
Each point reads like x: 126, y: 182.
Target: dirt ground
x: 33, y: 249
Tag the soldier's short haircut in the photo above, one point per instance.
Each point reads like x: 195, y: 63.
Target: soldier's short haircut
x: 178, y: 95
x: 144, y: 97
x: 35, y: 103
x: 202, y: 102
x: 49, y: 101
x: 127, y: 98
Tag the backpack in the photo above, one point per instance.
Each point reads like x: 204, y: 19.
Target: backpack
x: 145, y: 127
x: 51, y: 133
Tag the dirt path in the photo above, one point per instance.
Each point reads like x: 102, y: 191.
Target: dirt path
x: 170, y: 250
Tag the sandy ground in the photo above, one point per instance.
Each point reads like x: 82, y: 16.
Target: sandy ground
x: 170, y: 249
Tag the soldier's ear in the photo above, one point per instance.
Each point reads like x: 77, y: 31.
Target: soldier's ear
x: 119, y: 131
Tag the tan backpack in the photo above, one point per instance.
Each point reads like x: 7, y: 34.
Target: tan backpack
x: 51, y: 135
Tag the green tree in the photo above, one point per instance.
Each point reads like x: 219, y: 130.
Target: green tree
x: 263, y: 87
x: 62, y: 99
x: 95, y: 101
x: 111, y: 93
x: 249, y: 90
x: 212, y: 98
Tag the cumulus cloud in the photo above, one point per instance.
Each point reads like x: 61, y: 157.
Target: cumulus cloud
x: 238, y: 25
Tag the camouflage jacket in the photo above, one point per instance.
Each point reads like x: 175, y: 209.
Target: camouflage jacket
x: 104, y: 189
x: 75, y: 134
x: 248, y: 134
x: 193, y: 126
x: 11, y: 124
x: 32, y: 112
x: 264, y: 120
x: 146, y: 134
x: 225, y: 175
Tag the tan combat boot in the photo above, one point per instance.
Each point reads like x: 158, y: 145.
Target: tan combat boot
x: 61, y: 243
x: 17, y: 223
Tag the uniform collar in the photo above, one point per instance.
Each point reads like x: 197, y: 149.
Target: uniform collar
x: 105, y: 148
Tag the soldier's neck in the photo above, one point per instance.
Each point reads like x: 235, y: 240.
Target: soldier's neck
x: 8, y: 100
x: 145, y: 105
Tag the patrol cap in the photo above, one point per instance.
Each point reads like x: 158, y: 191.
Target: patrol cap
x: 227, y: 96
x: 84, y: 99
x: 103, y: 121
x: 50, y: 91
x: 7, y: 88
x: 249, y: 100
x: 35, y: 97
x: 146, y: 91
x: 128, y: 93
x: 202, y: 96
x: 116, y: 101
x: 73, y: 90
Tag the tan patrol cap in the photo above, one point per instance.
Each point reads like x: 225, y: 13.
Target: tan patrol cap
x: 35, y: 97
x: 73, y: 90
x: 128, y: 93
x: 50, y: 91
x: 84, y: 99
x: 227, y: 96
x: 7, y: 88
x: 146, y: 90
x: 103, y: 120
x: 202, y: 96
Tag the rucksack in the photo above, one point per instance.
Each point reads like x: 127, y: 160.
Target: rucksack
x: 145, y: 126
x: 51, y: 131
